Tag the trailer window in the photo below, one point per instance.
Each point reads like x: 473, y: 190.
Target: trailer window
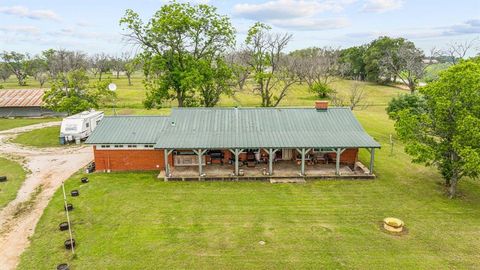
x: 87, y: 124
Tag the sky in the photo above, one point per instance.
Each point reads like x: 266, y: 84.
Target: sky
x: 93, y: 26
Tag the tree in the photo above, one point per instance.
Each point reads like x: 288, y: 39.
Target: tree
x: 117, y: 65
x: 131, y: 64
x: 5, y: 72
x: 415, y: 103
x: 62, y: 61
x: 406, y: 63
x: 18, y: 64
x: 214, y: 81
x: 100, y: 63
x: 457, y: 51
x: 318, y: 67
x: 39, y: 70
x: 178, y: 40
x: 445, y: 132
x: 72, y: 93
x: 356, y: 98
x: 376, y: 70
x: 273, y: 71
x: 353, y: 63
x: 238, y: 64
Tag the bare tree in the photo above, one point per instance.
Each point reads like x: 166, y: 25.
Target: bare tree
x: 117, y: 65
x: 408, y: 64
x: 271, y: 68
x: 100, y: 63
x: 238, y: 62
x: 356, y: 98
x: 458, y: 50
x: 319, y: 65
x: 62, y: 61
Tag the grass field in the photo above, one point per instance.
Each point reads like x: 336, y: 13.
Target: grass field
x: 15, y: 176
x: 44, y: 137
x: 20, y: 122
x: 134, y: 221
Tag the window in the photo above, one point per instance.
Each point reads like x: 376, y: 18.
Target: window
x: 87, y: 124
x: 148, y: 146
x: 132, y: 146
x: 105, y: 146
x: 118, y: 146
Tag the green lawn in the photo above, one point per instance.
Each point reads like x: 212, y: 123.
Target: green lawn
x: 15, y: 176
x: 134, y: 221
x: 20, y: 122
x: 44, y: 137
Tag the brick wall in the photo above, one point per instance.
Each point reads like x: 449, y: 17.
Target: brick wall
x: 129, y: 160
x: 348, y: 157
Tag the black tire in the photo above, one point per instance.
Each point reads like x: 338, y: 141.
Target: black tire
x: 74, y: 193
x: 3, y: 178
x: 63, y: 266
x: 63, y: 226
x: 69, y: 244
x: 69, y: 207
x: 84, y: 180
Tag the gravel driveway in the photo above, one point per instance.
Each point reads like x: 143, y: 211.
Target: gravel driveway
x: 48, y: 167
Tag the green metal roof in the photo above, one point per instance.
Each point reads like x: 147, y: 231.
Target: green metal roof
x: 221, y: 128
x: 263, y: 127
x: 128, y: 129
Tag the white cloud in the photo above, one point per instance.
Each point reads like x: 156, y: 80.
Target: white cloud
x: 20, y: 29
x: 285, y: 9
x: 380, y: 6
x: 312, y: 24
x: 25, y: 12
x: 302, y: 15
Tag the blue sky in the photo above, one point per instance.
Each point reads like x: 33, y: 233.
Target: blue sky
x: 92, y: 26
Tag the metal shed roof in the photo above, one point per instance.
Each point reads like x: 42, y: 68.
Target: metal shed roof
x: 128, y: 129
x: 263, y: 128
x: 221, y: 128
x: 21, y: 98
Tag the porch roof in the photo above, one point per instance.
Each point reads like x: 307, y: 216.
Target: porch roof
x: 215, y: 128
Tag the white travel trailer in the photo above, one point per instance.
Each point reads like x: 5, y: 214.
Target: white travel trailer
x: 79, y: 126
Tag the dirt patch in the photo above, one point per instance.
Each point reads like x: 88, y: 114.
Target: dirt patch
x: 48, y: 168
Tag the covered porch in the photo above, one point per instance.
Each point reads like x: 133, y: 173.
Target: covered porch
x: 268, y: 164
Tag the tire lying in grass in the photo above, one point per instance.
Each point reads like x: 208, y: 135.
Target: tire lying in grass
x: 63, y: 226
x: 63, y: 266
x: 69, y: 207
x: 69, y: 243
x: 3, y: 178
x: 84, y: 180
x: 75, y: 193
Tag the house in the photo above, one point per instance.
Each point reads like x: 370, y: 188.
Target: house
x: 24, y: 103
x: 232, y: 143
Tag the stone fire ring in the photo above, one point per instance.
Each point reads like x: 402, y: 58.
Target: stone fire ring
x: 393, y: 224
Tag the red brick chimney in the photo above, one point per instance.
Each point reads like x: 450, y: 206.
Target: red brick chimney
x: 321, y: 105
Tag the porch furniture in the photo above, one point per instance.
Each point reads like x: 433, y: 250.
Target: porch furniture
x: 216, y: 156
x: 251, y: 160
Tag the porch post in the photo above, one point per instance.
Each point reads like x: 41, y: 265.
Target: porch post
x: 236, y: 153
x: 303, y: 162
x: 166, y: 153
x: 165, y: 158
x: 372, y: 157
x: 337, y: 159
x: 271, y: 152
x: 200, y: 153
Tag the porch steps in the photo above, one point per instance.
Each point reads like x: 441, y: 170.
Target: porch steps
x: 287, y: 180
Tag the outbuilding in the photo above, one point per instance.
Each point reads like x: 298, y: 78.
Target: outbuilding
x: 236, y: 143
x: 24, y: 103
